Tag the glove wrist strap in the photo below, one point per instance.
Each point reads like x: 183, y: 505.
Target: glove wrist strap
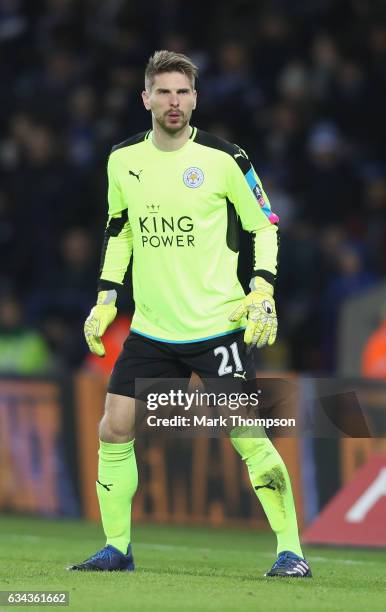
x: 259, y: 284
x: 107, y: 297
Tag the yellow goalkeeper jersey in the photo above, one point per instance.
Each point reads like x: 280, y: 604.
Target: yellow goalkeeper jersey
x: 176, y: 214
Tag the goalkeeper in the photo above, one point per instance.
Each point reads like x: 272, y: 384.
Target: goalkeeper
x: 175, y: 195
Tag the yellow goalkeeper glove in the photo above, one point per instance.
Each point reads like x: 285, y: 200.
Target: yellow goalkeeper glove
x: 259, y: 307
x: 100, y: 317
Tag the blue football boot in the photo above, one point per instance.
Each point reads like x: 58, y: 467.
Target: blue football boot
x: 109, y: 559
x: 290, y: 565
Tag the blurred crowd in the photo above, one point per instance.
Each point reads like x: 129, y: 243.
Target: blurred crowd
x: 301, y: 85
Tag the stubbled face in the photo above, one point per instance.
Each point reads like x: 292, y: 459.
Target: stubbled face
x: 171, y: 101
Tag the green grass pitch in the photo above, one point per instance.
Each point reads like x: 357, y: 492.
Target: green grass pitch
x: 181, y: 568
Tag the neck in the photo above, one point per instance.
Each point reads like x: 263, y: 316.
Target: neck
x: 170, y: 142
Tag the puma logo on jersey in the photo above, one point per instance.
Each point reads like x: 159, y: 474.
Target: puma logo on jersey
x: 241, y: 153
x: 136, y: 175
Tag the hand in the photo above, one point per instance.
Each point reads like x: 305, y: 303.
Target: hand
x: 100, y: 317
x: 259, y: 307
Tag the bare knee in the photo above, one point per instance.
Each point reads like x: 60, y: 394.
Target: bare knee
x: 114, y: 432
x: 118, y: 423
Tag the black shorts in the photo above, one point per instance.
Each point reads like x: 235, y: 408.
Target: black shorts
x: 142, y: 357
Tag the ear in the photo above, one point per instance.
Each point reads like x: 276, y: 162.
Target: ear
x: 195, y: 99
x: 145, y: 99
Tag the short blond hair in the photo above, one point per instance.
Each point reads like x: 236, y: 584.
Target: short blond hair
x: 168, y: 61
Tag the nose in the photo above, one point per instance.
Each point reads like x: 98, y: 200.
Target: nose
x: 174, y: 100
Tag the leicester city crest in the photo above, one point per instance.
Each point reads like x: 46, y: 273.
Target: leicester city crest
x: 193, y: 177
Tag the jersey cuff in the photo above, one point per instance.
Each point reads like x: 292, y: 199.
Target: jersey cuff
x: 106, y: 285
x: 267, y: 276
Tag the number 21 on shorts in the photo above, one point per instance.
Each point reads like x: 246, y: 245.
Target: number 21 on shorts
x: 225, y: 366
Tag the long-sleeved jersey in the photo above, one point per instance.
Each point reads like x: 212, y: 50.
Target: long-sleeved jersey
x: 176, y: 214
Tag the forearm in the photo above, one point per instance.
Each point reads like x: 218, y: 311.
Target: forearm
x: 116, y: 252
